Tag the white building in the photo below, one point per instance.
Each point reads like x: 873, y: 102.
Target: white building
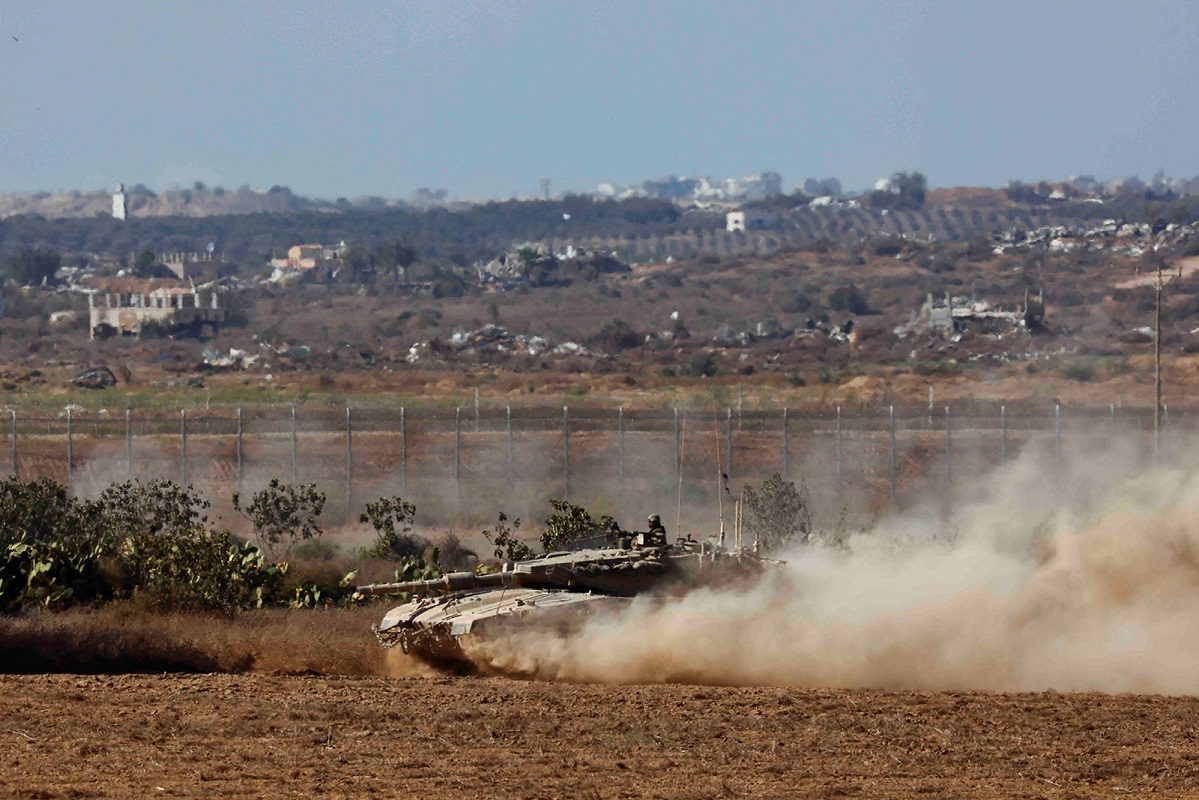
x: 750, y: 220
x: 118, y: 202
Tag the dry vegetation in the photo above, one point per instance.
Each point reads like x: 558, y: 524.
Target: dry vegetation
x: 128, y: 638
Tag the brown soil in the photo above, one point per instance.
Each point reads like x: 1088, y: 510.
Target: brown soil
x: 270, y: 736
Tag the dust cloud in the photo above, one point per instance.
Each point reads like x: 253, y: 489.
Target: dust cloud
x: 1081, y: 576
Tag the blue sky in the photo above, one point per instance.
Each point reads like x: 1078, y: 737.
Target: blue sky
x: 485, y: 98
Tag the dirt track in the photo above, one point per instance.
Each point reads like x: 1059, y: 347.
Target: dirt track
x: 255, y: 736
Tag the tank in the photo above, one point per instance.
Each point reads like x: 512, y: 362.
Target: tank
x: 443, y: 617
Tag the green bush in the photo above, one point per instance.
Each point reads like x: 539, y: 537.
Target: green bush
x: 283, y: 512
x: 392, y: 519
x: 570, y: 523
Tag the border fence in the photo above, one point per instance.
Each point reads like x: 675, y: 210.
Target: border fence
x: 465, y: 464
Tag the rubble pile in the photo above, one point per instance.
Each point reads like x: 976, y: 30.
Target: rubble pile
x: 955, y: 315
x: 1114, y: 236
x: 492, y: 339
x: 95, y: 378
x: 534, y: 263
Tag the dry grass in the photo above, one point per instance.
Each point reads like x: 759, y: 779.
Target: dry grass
x: 124, y: 638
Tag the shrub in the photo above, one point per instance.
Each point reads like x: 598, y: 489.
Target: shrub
x: 200, y: 570
x: 778, y: 513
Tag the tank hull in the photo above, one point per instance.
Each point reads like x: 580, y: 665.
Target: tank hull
x: 449, y: 631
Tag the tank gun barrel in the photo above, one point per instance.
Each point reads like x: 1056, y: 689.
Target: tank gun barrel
x: 450, y: 582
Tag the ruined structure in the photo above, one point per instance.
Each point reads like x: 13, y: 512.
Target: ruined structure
x: 124, y: 305
x: 957, y: 314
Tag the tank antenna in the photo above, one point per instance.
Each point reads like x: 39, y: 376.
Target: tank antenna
x: 719, y: 471
x: 678, y: 521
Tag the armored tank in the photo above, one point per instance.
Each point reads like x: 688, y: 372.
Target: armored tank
x: 444, y: 617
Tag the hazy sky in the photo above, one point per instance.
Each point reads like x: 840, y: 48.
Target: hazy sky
x: 484, y: 98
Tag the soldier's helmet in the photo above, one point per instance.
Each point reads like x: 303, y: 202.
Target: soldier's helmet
x: 655, y: 521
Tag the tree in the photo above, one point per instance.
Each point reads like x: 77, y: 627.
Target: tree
x: 906, y: 190
x: 569, y: 523
x: 145, y: 265
x: 616, y: 334
x: 849, y: 298
x: 281, y: 512
x: 392, y: 519
x: 910, y: 186
x: 159, y: 506
x: 30, y: 266
x: 778, y: 514
x: 507, y: 545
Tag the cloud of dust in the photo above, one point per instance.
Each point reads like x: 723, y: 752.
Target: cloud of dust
x: 1081, y: 578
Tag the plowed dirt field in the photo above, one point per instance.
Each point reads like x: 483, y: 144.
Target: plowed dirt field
x: 246, y: 736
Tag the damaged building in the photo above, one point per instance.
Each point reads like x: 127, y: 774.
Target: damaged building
x: 960, y: 314
x: 123, y: 306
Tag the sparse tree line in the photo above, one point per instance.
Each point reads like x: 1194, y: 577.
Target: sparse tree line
x: 443, y: 242
x: 463, y: 236
x: 152, y: 543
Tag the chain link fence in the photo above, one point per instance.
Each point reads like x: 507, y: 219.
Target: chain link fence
x: 462, y: 466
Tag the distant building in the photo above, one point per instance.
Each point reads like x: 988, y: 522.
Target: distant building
x: 118, y: 202
x: 308, y: 256
x: 750, y: 220
x: 122, y: 306
x: 180, y: 264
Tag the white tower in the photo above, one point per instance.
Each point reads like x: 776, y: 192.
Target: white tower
x: 118, y: 202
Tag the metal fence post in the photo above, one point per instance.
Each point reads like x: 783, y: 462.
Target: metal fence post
x: 70, y: 454
x: 839, y: 485
x: 295, y: 449
x: 128, y: 444
x: 349, y: 462
x: 511, y: 451
x: 729, y: 436
x: 786, y: 465
x: 458, y: 455
x: 1003, y: 434
x: 948, y: 455
x: 620, y: 449
x: 404, y: 448
x: 239, y: 452
x: 15, y: 471
x: 183, y: 447
x: 893, y: 475
x: 1057, y: 434
x: 566, y: 452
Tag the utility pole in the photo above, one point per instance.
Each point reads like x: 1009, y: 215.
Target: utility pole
x: 1159, y: 285
x: 545, y: 188
x: 1157, y: 363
